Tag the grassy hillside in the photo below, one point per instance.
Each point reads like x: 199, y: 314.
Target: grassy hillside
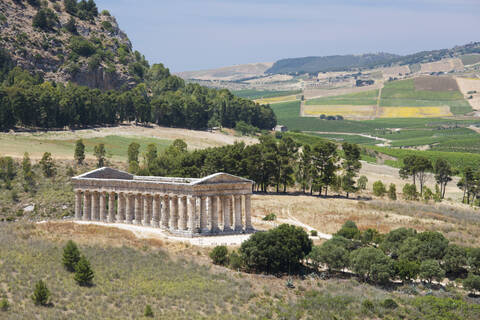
x: 131, y: 273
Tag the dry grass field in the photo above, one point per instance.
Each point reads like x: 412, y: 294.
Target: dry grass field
x: 415, y: 112
x: 469, y: 85
x: 116, y: 139
x: 277, y: 99
x: 444, y: 65
x: 428, y: 83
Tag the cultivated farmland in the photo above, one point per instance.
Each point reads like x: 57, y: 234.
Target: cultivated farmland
x: 414, y: 112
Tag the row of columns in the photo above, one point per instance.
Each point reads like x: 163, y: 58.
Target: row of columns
x: 191, y: 214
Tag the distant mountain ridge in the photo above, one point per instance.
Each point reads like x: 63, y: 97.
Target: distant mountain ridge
x: 365, y: 61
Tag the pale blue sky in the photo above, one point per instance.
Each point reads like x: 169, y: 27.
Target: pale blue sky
x: 202, y: 34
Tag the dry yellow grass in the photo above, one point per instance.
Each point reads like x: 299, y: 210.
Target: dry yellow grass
x: 347, y: 111
x: 277, y: 99
x: 415, y: 112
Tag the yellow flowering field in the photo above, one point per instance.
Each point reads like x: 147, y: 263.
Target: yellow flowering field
x: 347, y: 111
x: 415, y: 112
x: 276, y: 99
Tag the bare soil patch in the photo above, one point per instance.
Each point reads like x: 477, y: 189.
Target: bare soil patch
x: 431, y: 83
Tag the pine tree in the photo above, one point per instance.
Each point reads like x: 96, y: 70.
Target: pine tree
x: 71, y: 255
x: 79, y: 154
x: 83, y: 272
x: 41, y: 294
x: 48, y: 165
x: 100, y: 154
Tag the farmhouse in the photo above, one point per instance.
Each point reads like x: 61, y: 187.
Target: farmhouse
x: 217, y: 204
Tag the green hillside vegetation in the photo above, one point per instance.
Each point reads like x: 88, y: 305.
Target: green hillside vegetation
x: 359, y: 98
x: 469, y: 59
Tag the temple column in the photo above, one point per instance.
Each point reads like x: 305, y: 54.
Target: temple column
x: 173, y: 212
x: 238, y: 213
x: 130, y: 209
x: 183, y: 213
x: 87, y: 206
x: 165, y: 217
x: 219, y: 209
x: 95, y: 206
x: 203, y: 215
x: 138, y: 209
x: 121, y: 207
x: 103, y: 206
x: 78, y: 204
x: 227, y: 207
x: 111, y: 207
x: 156, y: 211
x: 213, y: 214
x: 248, y: 217
x: 147, y: 209
x: 192, y: 219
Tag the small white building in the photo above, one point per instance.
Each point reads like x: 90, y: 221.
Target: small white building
x: 280, y: 128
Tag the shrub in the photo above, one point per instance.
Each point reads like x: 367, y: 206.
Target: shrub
x: 219, y: 255
x: 148, y: 311
x: 379, y: 189
x: 41, y: 294
x: 474, y: 260
x: 349, y: 230
x: 105, y: 13
x: 71, y: 256
x: 472, y: 283
x: 430, y: 270
x: 270, y: 217
x: 392, y: 192
x: 83, y: 272
x: 278, y: 250
x: 407, y: 270
x: 82, y: 46
x: 362, y: 183
x: 455, y: 259
x: 235, y: 260
x: 427, y: 194
x: 368, y: 305
x: 314, y: 233
x: 389, y: 304
x: 107, y: 25
x: 410, y: 192
x: 4, y: 305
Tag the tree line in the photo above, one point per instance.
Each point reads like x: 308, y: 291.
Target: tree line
x: 402, y: 254
x: 28, y: 101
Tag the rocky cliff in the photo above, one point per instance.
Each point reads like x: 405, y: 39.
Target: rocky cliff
x: 69, y: 41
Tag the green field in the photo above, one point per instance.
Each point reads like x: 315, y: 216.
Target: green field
x: 116, y: 146
x: 469, y: 59
x: 258, y: 94
x: 348, y: 138
x: 403, y: 94
x: 359, y: 98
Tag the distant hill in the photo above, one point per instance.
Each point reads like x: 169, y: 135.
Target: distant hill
x: 69, y: 41
x: 232, y: 73
x: 366, y: 61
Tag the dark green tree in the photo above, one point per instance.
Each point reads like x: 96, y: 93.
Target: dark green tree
x: 70, y: 6
x: 455, y: 259
x: 351, y: 166
x: 100, y: 154
x: 330, y: 254
x: 83, y: 272
x: 443, y: 174
x: 372, y: 264
x: 407, y: 270
x: 324, y: 157
x: 133, y: 152
x: 394, y: 240
x: 71, y: 256
x: 392, y: 192
x: 304, y: 169
x: 28, y: 175
x: 416, y: 167
x: 349, y: 230
x: 71, y: 26
x: 430, y: 270
x: 219, y: 255
x: 278, y: 250
x: 472, y: 283
x: 473, y: 259
x: 41, y: 294
x: 379, y: 189
x: 79, y: 153
x: 48, y: 165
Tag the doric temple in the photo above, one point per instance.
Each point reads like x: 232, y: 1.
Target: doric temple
x: 217, y: 204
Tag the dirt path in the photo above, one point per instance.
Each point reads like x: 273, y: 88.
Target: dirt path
x: 377, y: 109
x: 385, y: 143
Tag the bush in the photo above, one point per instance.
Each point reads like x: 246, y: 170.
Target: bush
x: 389, y: 304
x: 41, y: 294
x: 82, y: 46
x: 349, y: 230
x: 71, y: 256
x: 235, y: 260
x: 148, y: 311
x: 270, y: 217
x: 368, y: 305
x: 314, y: 233
x: 472, y: 283
x: 4, y: 305
x: 219, y: 255
x: 278, y: 250
x: 392, y: 192
x: 379, y: 189
x: 410, y: 192
x: 362, y: 183
x: 334, y: 256
x: 83, y: 272
x: 407, y: 270
x: 430, y: 270
x: 455, y: 259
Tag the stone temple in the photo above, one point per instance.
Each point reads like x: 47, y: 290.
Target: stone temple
x: 214, y: 205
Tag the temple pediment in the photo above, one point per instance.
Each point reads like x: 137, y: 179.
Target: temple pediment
x: 106, y: 173
x: 221, y: 178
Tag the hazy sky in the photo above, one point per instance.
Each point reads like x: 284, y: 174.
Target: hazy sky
x: 202, y: 34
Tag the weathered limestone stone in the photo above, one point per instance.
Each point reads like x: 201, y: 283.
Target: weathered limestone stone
x: 187, y: 206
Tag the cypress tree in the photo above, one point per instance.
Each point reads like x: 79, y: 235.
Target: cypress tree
x: 41, y: 294
x: 79, y: 154
x: 71, y: 256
